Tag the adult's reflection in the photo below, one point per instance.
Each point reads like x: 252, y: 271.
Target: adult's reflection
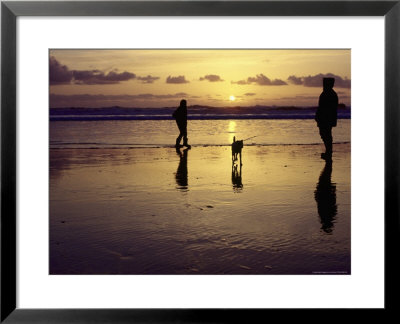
x: 181, y: 175
x: 237, y: 178
x: 325, y: 196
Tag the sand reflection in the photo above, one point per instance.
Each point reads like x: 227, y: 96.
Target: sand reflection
x: 237, y: 178
x: 325, y: 196
x: 181, y: 175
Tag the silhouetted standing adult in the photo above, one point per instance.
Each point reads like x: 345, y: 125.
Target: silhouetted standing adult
x: 180, y: 115
x: 326, y: 115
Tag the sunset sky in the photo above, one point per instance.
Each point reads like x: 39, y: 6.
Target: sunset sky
x: 160, y: 78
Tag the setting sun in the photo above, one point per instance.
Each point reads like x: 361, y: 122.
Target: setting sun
x: 232, y: 98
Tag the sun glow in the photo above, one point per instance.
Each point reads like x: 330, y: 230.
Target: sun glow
x: 232, y: 126
x: 232, y: 98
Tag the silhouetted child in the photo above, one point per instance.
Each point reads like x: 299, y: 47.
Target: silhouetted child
x: 180, y: 115
x: 326, y: 115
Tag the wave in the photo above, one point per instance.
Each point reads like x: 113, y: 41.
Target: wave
x: 194, y: 113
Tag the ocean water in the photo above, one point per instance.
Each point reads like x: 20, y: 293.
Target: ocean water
x: 124, y: 201
x: 162, y: 133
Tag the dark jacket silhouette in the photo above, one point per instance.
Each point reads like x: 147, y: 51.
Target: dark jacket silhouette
x: 326, y: 116
x: 180, y: 115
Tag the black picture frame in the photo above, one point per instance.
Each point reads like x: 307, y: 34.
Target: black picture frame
x: 10, y: 10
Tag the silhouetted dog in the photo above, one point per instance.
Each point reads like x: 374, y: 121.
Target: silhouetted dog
x: 237, y: 149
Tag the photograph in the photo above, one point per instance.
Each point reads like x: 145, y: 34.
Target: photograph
x: 199, y: 161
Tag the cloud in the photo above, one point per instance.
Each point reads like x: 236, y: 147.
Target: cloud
x: 177, y: 80
x: 61, y: 74
x: 150, y: 96
x: 262, y: 80
x: 148, y: 79
x: 211, y: 78
x: 99, y: 77
x: 295, y: 80
x: 250, y: 94
x: 241, y: 82
x: 316, y: 80
x: 58, y: 73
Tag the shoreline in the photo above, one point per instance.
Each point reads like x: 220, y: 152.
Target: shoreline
x: 145, y: 146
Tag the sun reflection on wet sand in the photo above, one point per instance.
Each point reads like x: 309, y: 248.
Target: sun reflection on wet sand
x: 164, y: 212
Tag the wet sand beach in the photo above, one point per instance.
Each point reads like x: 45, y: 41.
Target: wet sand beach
x: 159, y: 211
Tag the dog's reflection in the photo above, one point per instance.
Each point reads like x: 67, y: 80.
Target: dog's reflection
x: 325, y: 196
x: 237, y: 177
x: 181, y: 175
